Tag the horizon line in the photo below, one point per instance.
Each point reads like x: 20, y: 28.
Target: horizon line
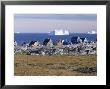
x: 48, y: 33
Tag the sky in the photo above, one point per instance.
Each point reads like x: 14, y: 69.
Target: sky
x: 44, y: 23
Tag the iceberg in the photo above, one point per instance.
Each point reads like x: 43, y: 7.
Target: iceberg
x: 17, y: 32
x: 59, y: 32
x: 92, y: 32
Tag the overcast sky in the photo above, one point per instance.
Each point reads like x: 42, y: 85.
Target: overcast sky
x: 43, y: 23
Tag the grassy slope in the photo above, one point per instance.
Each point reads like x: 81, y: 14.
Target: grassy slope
x: 53, y: 65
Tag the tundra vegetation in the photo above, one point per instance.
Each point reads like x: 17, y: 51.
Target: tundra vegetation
x: 62, y: 59
x: 32, y: 65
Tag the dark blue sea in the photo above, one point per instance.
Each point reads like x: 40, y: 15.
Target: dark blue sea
x: 28, y: 37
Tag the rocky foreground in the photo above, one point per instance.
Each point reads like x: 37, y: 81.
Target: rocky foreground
x: 73, y: 49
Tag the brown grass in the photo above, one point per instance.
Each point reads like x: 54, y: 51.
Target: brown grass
x: 28, y: 65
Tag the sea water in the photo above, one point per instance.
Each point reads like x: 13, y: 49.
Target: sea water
x: 28, y: 37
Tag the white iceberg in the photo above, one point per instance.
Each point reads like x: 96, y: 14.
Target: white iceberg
x: 17, y: 32
x: 92, y: 32
x: 59, y: 32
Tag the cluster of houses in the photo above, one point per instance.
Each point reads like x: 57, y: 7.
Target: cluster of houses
x: 77, y: 46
